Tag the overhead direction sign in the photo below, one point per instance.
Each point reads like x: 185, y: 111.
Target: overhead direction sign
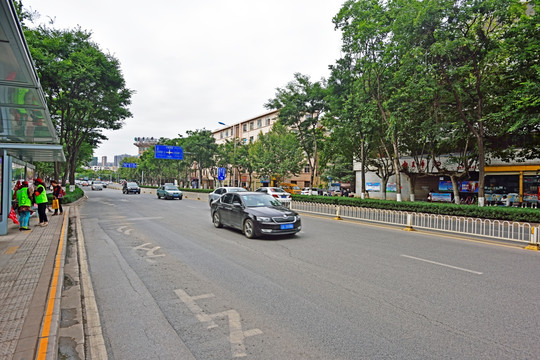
x: 169, y: 152
x: 129, y: 165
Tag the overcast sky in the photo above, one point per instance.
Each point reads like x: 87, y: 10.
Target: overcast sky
x: 194, y: 63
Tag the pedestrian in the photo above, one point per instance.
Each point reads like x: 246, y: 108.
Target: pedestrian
x: 25, y: 203
x: 40, y: 196
x: 58, y: 194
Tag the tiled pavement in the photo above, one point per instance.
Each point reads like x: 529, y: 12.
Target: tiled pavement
x: 31, y: 267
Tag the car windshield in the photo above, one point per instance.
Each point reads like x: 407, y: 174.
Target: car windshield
x: 276, y: 189
x: 171, y: 187
x: 132, y: 184
x: 256, y: 200
x: 97, y: 182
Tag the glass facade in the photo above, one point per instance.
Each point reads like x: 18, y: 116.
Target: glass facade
x: 531, y: 188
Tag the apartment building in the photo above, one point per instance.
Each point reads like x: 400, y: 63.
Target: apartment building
x: 248, y: 131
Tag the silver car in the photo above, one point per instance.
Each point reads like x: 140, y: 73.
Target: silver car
x: 216, y: 194
x: 97, y: 185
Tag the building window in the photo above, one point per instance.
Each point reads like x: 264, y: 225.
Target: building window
x: 251, y: 139
x: 221, y: 135
x: 251, y: 125
x: 307, y: 169
x: 259, y: 123
x: 244, y: 127
x: 268, y: 121
x: 226, y: 133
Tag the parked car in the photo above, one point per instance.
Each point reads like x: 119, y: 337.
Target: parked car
x: 97, y: 185
x: 276, y: 192
x: 255, y: 213
x: 131, y: 187
x: 290, y: 188
x: 314, y: 191
x: 216, y: 194
x: 169, y: 191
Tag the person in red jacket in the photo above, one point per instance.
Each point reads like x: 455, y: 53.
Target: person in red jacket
x: 58, y: 194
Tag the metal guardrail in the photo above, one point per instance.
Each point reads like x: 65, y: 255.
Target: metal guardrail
x: 504, y: 230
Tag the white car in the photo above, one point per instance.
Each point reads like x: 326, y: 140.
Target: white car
x: 276, y: 192
x: 216, y: 194
x: 97, y: 185
x: 314, y: 191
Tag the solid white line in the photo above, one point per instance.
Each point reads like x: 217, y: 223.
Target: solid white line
x: 441, y: 264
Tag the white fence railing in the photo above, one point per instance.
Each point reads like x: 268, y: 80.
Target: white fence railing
x: 505, y: 230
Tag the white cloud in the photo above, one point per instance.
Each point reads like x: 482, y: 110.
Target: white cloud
x: 194, y: 63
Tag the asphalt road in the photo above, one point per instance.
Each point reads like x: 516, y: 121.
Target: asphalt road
x: 171, y: 286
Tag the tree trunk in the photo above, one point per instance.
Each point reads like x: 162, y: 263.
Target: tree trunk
x: 455, y: 187
x: 363, y: 168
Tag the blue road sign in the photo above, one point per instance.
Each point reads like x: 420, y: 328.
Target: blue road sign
x: 129, y: 165
x: 169, y: 152
x: 221, y: 173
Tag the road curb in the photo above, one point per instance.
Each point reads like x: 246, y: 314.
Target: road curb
x: 94, y: 334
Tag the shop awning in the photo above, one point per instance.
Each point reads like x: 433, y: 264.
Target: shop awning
x: 24, y: 117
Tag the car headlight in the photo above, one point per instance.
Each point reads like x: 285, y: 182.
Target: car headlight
x: 263, y: 219
x: 297, y: 217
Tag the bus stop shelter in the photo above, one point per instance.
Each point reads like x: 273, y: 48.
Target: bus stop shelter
x: 27, y: 133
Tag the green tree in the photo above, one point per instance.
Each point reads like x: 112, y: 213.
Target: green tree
x: 84, y: 88
x: 200, y: 148
x: 277, y: 153
x: 301, y: 104
x: 465, y: 49
x: 368, y: 41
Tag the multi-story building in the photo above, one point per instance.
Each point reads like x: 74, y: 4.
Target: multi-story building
x: 248, y: 131
x: 144, y: 143
x: 118, y: 158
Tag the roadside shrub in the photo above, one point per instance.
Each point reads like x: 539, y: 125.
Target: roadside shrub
x: 486, y: 212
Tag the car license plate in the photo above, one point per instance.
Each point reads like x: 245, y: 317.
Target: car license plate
x: 287, y: 226
x: 284, y: 196
x: 175, y: 195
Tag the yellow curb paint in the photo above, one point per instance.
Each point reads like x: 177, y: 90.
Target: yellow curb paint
x: 11, y: 250
x: 533, y: 247
x: 45, y: 332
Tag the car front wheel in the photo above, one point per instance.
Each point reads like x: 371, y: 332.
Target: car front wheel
x: 249, y: 229
x: 217, y: 220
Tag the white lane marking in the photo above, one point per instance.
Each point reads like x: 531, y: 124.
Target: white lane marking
x: 196, y: 309
x: 441, y: 264
x: 121, y: 229
x: 150, y: 252
x: 236, y: 334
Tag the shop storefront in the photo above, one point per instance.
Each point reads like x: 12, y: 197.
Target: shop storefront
x: 519, y: 183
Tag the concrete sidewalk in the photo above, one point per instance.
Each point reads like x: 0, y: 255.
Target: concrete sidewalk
x: 31, y: 280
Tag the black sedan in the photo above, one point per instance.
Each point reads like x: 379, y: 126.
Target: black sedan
x: 256, y: 214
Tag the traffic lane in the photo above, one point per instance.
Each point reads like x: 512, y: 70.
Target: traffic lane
x: 165, y: 276
x: 133, y: 325
x: 234, y: 250
x: 473, y: 287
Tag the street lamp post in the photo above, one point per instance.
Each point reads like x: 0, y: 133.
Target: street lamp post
x: 234, y: 153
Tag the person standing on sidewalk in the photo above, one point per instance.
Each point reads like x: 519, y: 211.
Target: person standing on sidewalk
x: 58, y: 194
x: 25, y: 202
x: 40, y: 197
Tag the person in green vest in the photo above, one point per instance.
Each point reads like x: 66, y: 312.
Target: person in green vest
x: 25, y: 203
x: 40, y: 196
